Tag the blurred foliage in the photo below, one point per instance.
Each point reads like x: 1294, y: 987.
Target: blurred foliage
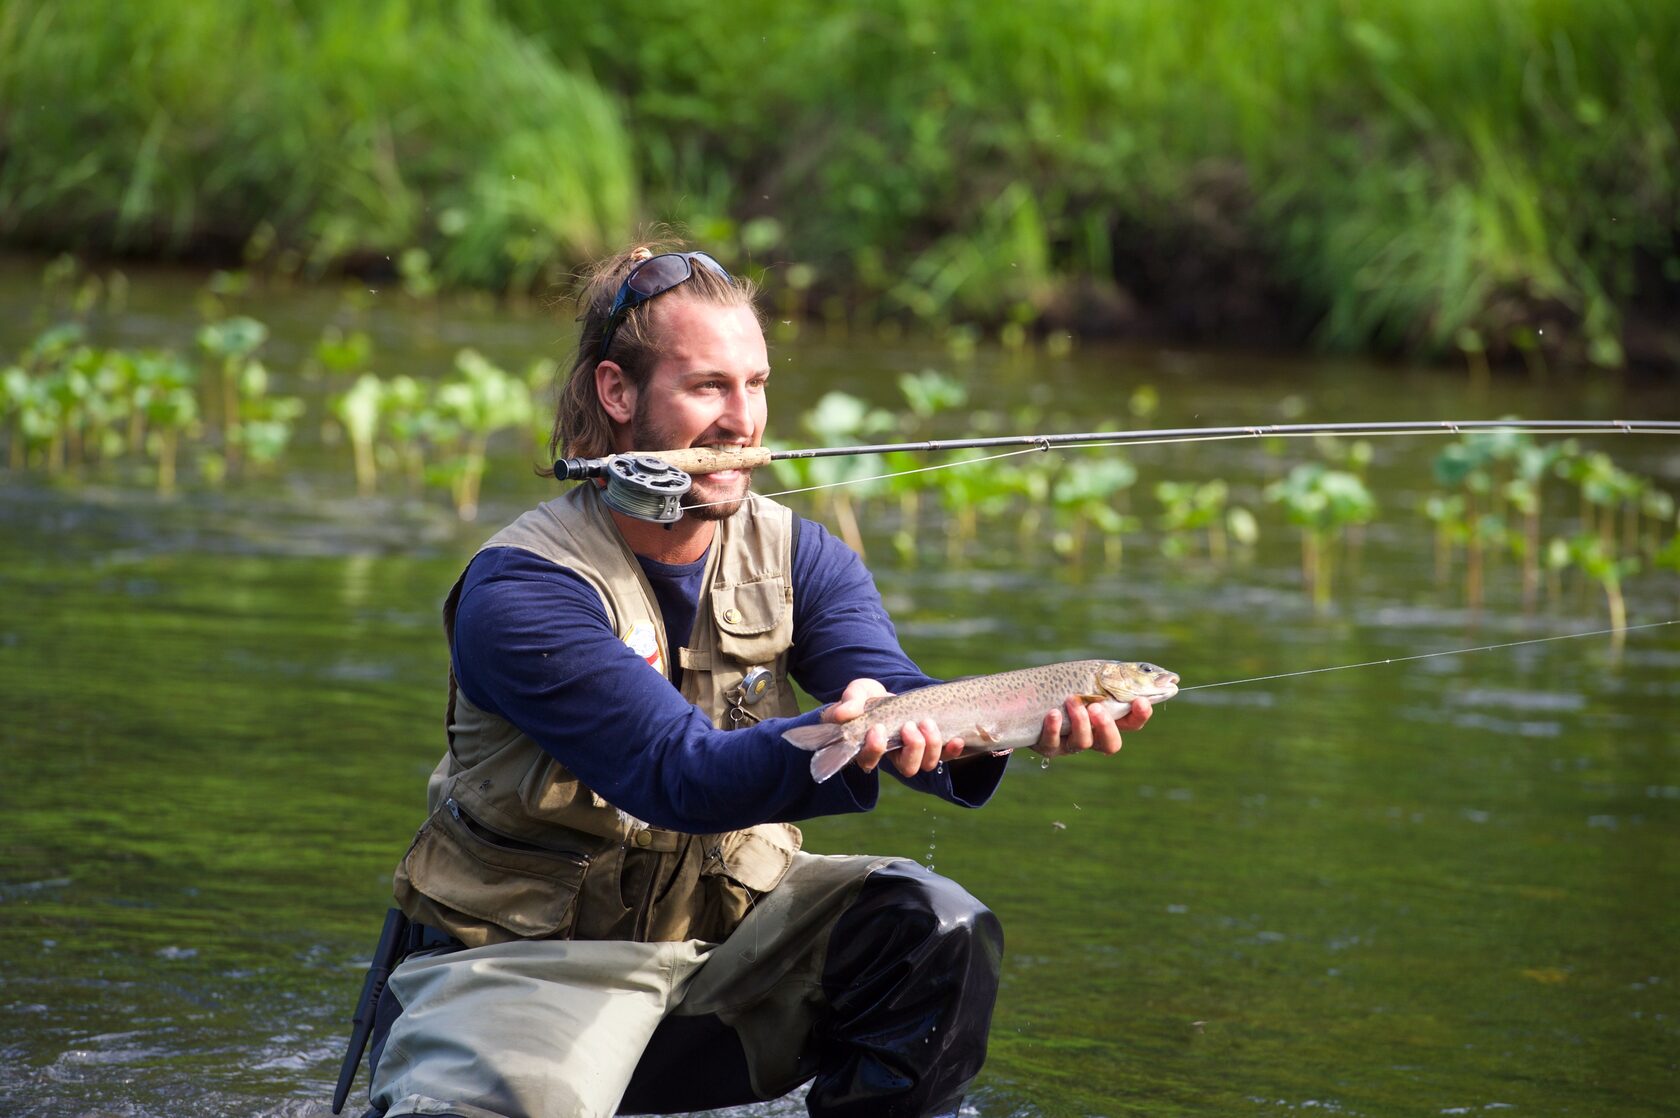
x: 309, y: 136
x: 1498, y: 178
x: 1494, y: 492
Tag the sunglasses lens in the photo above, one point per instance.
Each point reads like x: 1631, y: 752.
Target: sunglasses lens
x: 658, y: 275
x: 711, y: 264
x: 654, y: 276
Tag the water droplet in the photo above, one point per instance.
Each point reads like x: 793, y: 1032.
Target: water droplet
x: 1044, y: 763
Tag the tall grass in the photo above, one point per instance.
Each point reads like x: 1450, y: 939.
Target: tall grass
x: 1492, y: 176
x: 322, y: 134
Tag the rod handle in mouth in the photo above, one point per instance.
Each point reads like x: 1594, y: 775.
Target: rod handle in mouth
x: 706, y: 459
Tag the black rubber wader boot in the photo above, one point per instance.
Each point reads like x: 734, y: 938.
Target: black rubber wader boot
x: 911, y: 976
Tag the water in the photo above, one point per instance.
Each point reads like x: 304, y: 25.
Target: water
x: 1450, y: 886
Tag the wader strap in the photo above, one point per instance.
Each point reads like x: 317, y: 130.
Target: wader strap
x: 393, y: 937
x: 398, y: 939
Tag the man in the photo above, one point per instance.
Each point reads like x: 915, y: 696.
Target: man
x: 627, y: 922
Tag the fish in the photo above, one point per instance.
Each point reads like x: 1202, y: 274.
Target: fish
x: 991, y: 713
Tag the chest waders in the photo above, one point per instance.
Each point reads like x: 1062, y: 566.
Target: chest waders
x: 874, y: 976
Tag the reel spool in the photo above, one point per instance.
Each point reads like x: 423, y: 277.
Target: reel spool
x: 646, y: 488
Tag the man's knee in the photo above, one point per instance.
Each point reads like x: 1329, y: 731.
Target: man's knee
x: 912, y: 930
x: 903, y: 901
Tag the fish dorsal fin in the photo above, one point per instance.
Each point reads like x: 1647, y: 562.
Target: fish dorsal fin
x: 871, y: 704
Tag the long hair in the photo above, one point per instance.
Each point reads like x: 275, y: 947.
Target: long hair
x: 582, y: 427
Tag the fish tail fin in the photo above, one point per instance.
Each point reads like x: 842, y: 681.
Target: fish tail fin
x: 826, y: 762
x: 827, y: 743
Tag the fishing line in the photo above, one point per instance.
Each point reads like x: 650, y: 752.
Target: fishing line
x: 1430, y: 655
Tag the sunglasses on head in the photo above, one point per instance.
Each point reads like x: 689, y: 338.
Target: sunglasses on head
x: 652, y: 277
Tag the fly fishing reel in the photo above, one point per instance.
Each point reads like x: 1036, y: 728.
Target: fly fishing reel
x: 638, y: 485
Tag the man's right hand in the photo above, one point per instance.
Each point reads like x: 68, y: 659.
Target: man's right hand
x: 921, y: 751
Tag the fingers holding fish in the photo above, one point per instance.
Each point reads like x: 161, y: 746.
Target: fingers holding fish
x: 919, y: 743
x: 1105, y: 732
x: 1078, y: 726
x: 857, y: 698
x: 1134, y: 719
x: 1080, y: 732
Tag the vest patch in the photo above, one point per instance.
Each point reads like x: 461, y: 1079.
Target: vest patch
x: 642, y: 641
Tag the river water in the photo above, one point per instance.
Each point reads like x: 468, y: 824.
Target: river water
x: 1444, y: 886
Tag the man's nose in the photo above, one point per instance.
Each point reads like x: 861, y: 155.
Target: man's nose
x: 737, y: 415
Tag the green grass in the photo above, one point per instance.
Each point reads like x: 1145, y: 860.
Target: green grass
x: 1428, y: 176
x: 319, y: 134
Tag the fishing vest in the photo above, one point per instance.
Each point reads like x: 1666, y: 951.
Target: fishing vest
x: 517, y: 847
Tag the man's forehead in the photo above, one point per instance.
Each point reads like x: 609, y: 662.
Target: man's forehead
x: 695, y: 333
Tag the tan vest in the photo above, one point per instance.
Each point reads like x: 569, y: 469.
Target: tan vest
x: 517, y: 847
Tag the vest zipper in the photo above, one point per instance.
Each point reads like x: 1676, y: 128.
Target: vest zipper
x: 644, y: 910
x: 508, y: 842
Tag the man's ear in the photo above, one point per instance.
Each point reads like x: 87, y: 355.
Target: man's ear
x: 616, y: 393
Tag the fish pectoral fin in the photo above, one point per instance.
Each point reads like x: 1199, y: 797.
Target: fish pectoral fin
x: 989, y: 732
x: 1089, y: 699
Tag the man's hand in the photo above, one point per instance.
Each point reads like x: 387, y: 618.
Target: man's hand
x: 921, y: 751
x: 1089, y: 727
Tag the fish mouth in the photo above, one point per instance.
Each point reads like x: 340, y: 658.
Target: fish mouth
x: 1166, y: 686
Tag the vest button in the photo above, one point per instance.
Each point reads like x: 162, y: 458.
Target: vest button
x: 643, y: 838
x: 732, y: 615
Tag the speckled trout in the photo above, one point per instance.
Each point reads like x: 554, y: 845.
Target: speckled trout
x: 989, y: 712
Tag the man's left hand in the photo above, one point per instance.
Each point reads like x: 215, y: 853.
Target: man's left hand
x: 924, y: 746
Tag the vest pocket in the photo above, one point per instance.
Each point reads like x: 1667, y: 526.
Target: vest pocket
x: 460, y: 876
x: 754, y: 620
x: 738, y: 868
x: 757, y: 858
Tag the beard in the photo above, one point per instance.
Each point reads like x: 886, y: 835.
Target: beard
x: 706, y: 500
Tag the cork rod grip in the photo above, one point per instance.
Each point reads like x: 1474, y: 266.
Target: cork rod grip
x: 705, y: 459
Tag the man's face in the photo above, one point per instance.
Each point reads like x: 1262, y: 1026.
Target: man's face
x: 706, y: 390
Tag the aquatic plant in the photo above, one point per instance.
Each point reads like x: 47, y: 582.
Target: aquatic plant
x: 928, y: 394
x: 166, y: 398
x: 1495, y: 496
x: 343, y: 353
x: 1189, y: 507
x: 231, y: 344
x: 1086, y: 493
x: 838, y: 483
x: 1322, y: 502
x: 1599, y: 560
x: 357, y: 410
x: 267, y: 421
x: 484, y: 400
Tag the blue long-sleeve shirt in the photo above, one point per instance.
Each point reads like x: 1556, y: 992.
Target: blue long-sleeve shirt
x: 533, y: 645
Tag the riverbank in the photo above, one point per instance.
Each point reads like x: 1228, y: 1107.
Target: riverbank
x: 1494, y: 180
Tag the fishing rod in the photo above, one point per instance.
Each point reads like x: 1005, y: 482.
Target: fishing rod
x: 649, y: 485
